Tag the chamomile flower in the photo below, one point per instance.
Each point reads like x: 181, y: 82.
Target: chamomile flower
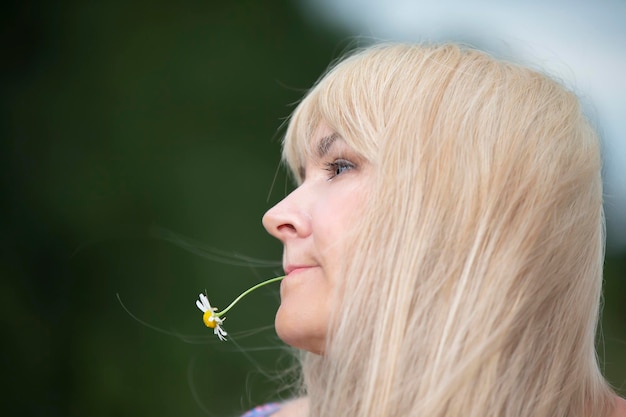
x: 210, y: 318
x: 213, y: 319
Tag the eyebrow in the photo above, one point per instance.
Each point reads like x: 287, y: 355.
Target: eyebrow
x: 322, y: 149
x: 326, y: 143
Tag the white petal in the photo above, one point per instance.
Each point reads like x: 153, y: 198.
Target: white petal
x: 200, y: 306
x: 221, y: 333
x: 205, y: 302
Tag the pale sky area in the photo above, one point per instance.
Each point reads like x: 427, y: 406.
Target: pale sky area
x: 581, y: 43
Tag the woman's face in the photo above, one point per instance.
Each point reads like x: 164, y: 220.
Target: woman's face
x: 312, y: 223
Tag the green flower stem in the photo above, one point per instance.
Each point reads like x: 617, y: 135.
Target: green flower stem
x: 248, y: 291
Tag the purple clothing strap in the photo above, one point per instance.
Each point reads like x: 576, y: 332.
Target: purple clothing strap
x: 264, y: 410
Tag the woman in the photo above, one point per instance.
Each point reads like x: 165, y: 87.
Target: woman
x: 444, y: 246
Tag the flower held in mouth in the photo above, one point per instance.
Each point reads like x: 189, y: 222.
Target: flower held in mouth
x: 210, y: 318
x: 213, y: 319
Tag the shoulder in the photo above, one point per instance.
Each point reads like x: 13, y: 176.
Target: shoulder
x: 620, y: 407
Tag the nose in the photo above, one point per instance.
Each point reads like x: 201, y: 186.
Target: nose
x: 288, y: 219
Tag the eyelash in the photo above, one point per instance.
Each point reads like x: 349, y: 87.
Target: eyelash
x: 338, y: 167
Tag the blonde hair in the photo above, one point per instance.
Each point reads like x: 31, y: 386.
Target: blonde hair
x: 474, y: 279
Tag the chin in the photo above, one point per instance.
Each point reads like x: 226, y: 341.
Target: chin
x: 300, y: 333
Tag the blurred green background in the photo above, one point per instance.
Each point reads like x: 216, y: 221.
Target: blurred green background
x: 124, y: 116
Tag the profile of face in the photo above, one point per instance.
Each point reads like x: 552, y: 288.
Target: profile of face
x: 312, y: 223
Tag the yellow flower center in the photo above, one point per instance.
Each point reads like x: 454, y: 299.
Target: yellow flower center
x: 208, y: 319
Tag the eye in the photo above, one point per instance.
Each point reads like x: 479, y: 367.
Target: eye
x: 338, y: 167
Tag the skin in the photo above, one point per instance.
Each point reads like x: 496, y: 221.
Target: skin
x: 620, y: 407
x: 311, y: 223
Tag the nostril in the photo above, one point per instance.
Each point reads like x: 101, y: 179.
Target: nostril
x: 287, y: 228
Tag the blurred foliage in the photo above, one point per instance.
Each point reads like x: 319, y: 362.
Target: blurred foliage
x: 121, y: 116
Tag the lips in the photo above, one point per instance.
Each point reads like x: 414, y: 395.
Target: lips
x: 294, y: 269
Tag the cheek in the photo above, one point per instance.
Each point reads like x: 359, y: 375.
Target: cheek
x: 333, y: 225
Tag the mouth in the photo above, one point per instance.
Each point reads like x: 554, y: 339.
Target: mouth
x: 294, y: 269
